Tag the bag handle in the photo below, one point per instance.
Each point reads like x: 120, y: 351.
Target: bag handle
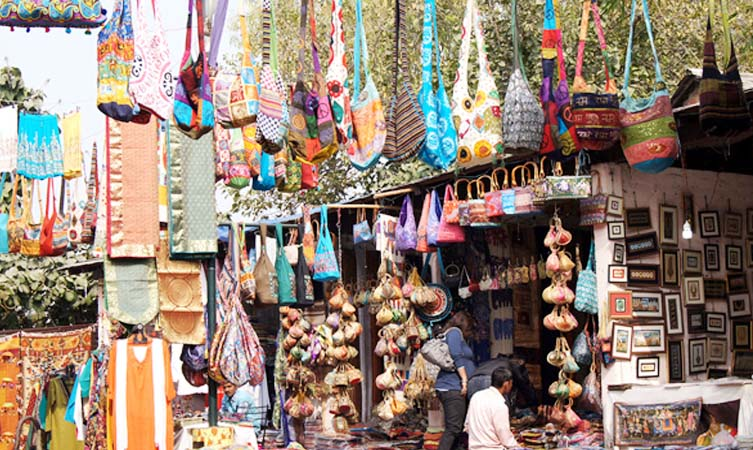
x: 278, y: 236
x: 263, y: 236
x: 481, y: 187
x: 456, y: 195
x: 14, y: 198
x: 728, y: 45
x: 359, y: 41
x: 591, y: 257
x: 589, y: 7
x: 471, y: 26
x: 430, y: 41
x: 314, y: 46
x: 504, y: 184
x: 629, y: 54
x: 216, y: 37
x: 49, y: 199
x: 189, y: 24
x: 517, y: 57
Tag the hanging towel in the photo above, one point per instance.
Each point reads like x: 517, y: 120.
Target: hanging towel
x: 8, y: 138
x: 40, y: 154
x: 131, y: 290
x: 73, y: 158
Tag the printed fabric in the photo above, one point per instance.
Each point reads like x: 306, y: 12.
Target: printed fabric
x: 44, y: 13
x: 73, y: 157
x: 337, y: 77
x: 131, y: 290
x: 40, y: 153
x: 8, y: 138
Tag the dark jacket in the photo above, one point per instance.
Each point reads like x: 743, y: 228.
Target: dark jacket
x: 521, y: 384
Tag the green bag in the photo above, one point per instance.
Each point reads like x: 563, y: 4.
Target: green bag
x: 285, y: 273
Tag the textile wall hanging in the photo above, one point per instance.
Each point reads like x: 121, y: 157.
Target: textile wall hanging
x: 192, y: 221
x: 181, y: 298
x: 10, y: 389
x: 133, y: 193
x: 40, y: 154
x: 62, y: 13
x: 131, y: 291
x: 73, y: 158
x: 162, y: 171
x: 8, y: 138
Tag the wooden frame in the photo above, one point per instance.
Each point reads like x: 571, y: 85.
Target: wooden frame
x: 739, y: 305
x: 716, y: 374
x: 741, y: 335
x: 648, y: 305
x: 749, y: 252
x: 675, y: 361
x: 670, y: 268
x: 716, y: 322
x: 617, y: 274
x: 645, y: 274
x: 714, y: 288
x: 717, y: 350
x: 711, y: 261
x: 620, y: 304
x: 629, y: 436
x: 695, y: 320
x: 693, y: 291
x: 673, y: 313
x: 644, y: 339
x: 697, y: 361
x: 647, y: 367
x: 616, y: 230
x: 668, y: 225
x: 622, y: 341
x: 641, y: 245
x: 734, y: 257
x: 733, y: 225
x: 638, y: 217
x: 742, y: 363
x: 615, y: 205
x: 618, y: 253
x: 692, y: 262
x: 749, y: 221
x: 709, y: 224
x: 737, y: 283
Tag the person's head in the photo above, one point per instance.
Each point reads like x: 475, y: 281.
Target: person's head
x: 502, y: 380
x: 463, y: 321
x: 229, y: 388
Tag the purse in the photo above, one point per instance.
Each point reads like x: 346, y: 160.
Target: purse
x: 477, y: 204
x: 114, y: 62
x: 476, y: 144
x: 450, y: 208
x: 493, y: 198
x: 265, y: 274
x: 285, y: 275
x: 586, y: 299
x: 524, y: 192
x: 246, y: 274
x: 565, y: 187
x: 522, y: 118
x: 304, y: 285
x: 441, y: 145
x: 16, y: 224
x: 30, y: 240
x: 406, y: 129
x: 449, y: 233
x: 595, y: 115
x: 649, y: 132
x: 406, y: 234
x: 53, y: 237
x: 272, y: 120
x: 292, y: 174
x: 291, y: 250
x: 422, y: 242
x: 361, y: 229
x: 337, y: 79
x: 61, y: 14
x: 464, y: 291
x: 325, y: 260
x: 435, y: 220
x: 593, y: 210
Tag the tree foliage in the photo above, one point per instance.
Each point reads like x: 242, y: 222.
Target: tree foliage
x: 13, y: 91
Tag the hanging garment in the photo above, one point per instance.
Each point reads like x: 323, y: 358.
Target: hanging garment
x: 131, y: 291
x: 40, y: 154
x: 181, y: 298
x: 4, y: 220
x: 8, y: 138
x: 162, y: 170
x: 73, y: 160
x: 63, y: 432
x: 501, y: 322
x: 96, y: 419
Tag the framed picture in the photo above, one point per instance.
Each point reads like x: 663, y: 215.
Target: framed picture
x: 622, y: 341
x: 617, y: 274
x: 737, y: 283
x: 709, y: 222
x: 688, y: 210
x: 648, y: 339
x: 616, y: 230
x: 620, y: 304
x: 670, y: 266
x: 696, y: 320
x: 641, y: 244
x: 675, y: 361
x: 741, y: 337
x: 739, y: 305
x: 749, y: 221
x: 648, y: 367
x: 668, y: 225
x: 716, y: 374
x: 618, y: 253
x: 734, y: 257
x: 615, y: 205
x: 714, y: 288
x: 638, y: 217
x: 693, y: 291
x: 673, y: 316
x: 631, y: 421
x: 692, y: 262
x: 733, y: 225
x: 717, y: 349
x: 697, y: 351
x: 647, y: 274
x: 742, y: 365
x: 716, y: 322
x: 711, y: 257
x: 648, y: 304
x: 749, y: 251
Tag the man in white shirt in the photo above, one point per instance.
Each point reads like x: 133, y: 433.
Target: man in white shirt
x: 488, y: 419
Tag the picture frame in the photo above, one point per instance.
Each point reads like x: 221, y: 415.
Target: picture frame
x: 741, y: 335
x: 696, y: 320
x: 638, y: 217
x: 673, y: 313
x: 742, y: 363
x: 739, y: 305
x: 647, y: 367
x: 718, y: 351
x: 645, y: 415
x: 733, y: 225
x: 688, y: 210
x: 620, y: 304
x: 641, y: 245
x: 618, y: 253
x: 615, y: 205
x: 649, y: 339
x: 616, y: 230
x: 643, y: 274
x: 622, y: 341
x: 709, y: 224
x: 734, y: 257
x: 737, y: 283
x: 715, y: 288
x: 749, y: 221
x: 697, y: 353
x: 692, y: 262
x: 648, y: 305
x: 670, y: 267
x: 716, y: 374
x: 693, y: 291
x: 711, y: 260
x: 716, y: 322
x: 749, y: 252
x: 668, y: 225
x: 675, y: 361
x: 617, y: 274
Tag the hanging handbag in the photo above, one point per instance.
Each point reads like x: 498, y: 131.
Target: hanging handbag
x: 272, y: 120
x: 435, y: 219
x: 246, y: 272
x: 16, y: 224
x: 593, y: 210
x: 559, y: 141
x: 4, y: 219
x: 266, y: 178
x: 286, y: 287
x: 586, y: 299
x: 337, y: 78
x: 582, y: 348
x: 523, y: 192
x: 114, y: 61
x: 723, y: 107
x: 477, y: 203
x: 406, y: 234
x: 563, y: 187
x: 649, y: 132
x: 53, y: 237
x: 309, y: 239
x: 441, y: 144
x: 291, y: 250
x: 522, y: 118
x: 325, y: 260
x: 265, y: 274
x: 292, y: 174
x: 369, y: 126
x: 449, y: 233
x: 479, y: 119
x: 406, y: 130
x: 193, y: 110
x: 450, y: 208
x: 361, y: 229
x: 30, y: 241
x: 422, y: 243
x: 493, y: 198
x: 304, y: 285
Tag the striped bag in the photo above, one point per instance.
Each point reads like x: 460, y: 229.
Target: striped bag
x: 272, y: 120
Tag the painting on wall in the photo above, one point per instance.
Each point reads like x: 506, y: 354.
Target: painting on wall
x: 666, y: 423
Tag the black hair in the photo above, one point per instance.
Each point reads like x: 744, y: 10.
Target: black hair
x: 500, y: 376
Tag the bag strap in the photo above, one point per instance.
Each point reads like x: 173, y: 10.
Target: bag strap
x: 216, y: 38
x: 360, y: 41
x: 2, y: 183
x: 302, y: 39
x: 589, y: 7
x: 189, y: 24
x: 552, y: 23
x: 314, y: 47
x: 427, y: 42
x: 591, y: 257
x: 629, y: 53
x: 278, y: 236
x: 14, y: 198
x: 728, y: 45
x: 517, y: 57
x: 269, y: 35
x: 263, y: 236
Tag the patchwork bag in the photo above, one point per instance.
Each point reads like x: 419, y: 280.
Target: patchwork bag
x: 478, y: 120
x: 406, y: 234
x: 115, y: 49
x: 586, y: 299
x: 286, y: 289
x: 272, y: 121
x: 477, y: 203
x: 60, y: 13
x: 265, y: 274
x: 337, y: 78
x: 649, y: 132
x: 325, y: 260
x: 441, y: 144
x: 596, y: 115
x: 493, y: 199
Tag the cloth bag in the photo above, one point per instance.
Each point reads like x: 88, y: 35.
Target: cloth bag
x: 272, y: 120
x: 593, y: 210
x: 562, y: 187
x: 361, y: 229
x: 649, y: 132
x: 435, y: 219
x: 586, y: 299
x: 493, y: 199
x: 406, y: 234
x: 53, y: 237
x: 267, y: 290
x: 422, y: 243
x: 4, y: 218
x: 266, y: 178
x: 325, y: 260
x: 337, y: 79
x: 449, y: 233
x: 16, y: 223
x: 31, y: 230
x: 304, y: 285
x: 286, y: 289
x: 114, y: 49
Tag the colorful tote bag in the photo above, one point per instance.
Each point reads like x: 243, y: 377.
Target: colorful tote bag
x: 369, y: 126
x: 441, y: 145
x: 586, y: 297
x: 16, y: 223
x: 40, y: 152
x: 266, y: 178
x: 48, y: 14
x: 325, y: 260
x: 559, y: 141
x: 193, y: 110
x: 449, y: 233
x: 272, y: 121
x: 649, y: 132
x: 478, y: 120
x: 286, y: 289
x: 406, y: 236
x: 723, y: 108
x: 115, y: 48
x: 435, y: 218
x: 337, y: 78
x: 4, y: 219
x: 304, y: 285
x: 596, y: 115
x: 406, y: 130
x: 53, y: 238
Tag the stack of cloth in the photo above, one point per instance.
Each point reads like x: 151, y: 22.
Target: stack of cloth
x: 431, y: 438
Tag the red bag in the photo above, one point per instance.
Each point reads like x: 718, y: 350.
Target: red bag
x: 449, y: 233
x: 53, y: 239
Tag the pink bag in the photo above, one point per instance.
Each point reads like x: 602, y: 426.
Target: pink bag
x: 422, y: 245
x: 449, y: 233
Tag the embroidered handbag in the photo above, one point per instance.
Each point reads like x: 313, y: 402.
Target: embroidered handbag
x: 265, y: 274
x: 522, y: 118
x: 266, y: 179
x: 441, y: 144
x: 422, y: 243
x: 361, y: 229
x: 649, y: 132
x: 477, y: 120
x: 450, y: 211
x: 337, y: 78
x: 477, y: 203
x: 53, y: 237
x: 586, y: 299
x: 304, y: 285
x: 723, y: 110
x: 559, y: 141
x: 61, y: 13
x: 561, y: 187
x: 406, y: 234
x: 406, y: 130
x: 593, y: 210
x: 595, y: 115
x: 369, y: 126
x: 4, y: 219
x: 523, y: 192
x: 115, y: 49
x: 435, y: 218
x: 493, y: 198
x: 286, y: 289
x: 193, y: 110
x: 325, y: 261
x: 273, y: 117
x: 449, y: 233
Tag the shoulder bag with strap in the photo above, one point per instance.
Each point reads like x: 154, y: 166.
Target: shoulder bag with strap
x: 304, y: 285
x: 53, y: 238
x: 30, y: 241
x: 586, y: 299
x: 596, y: 115
x: 478, y: 120
x: 16, y: 224
x: 114, y: 61
x: 325, y: 260
x: 337, y: 78
x: 4, y: 219
x: 265, y: 274
x: 441, y: 145
x: 406, y: 129
x: 272, y: 121
x: 286, y: 288
x: 649, y: 132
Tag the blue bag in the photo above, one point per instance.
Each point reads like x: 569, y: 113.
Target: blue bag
x: 325, y: 260
x: 266, y: 178
x: 585, y: 291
